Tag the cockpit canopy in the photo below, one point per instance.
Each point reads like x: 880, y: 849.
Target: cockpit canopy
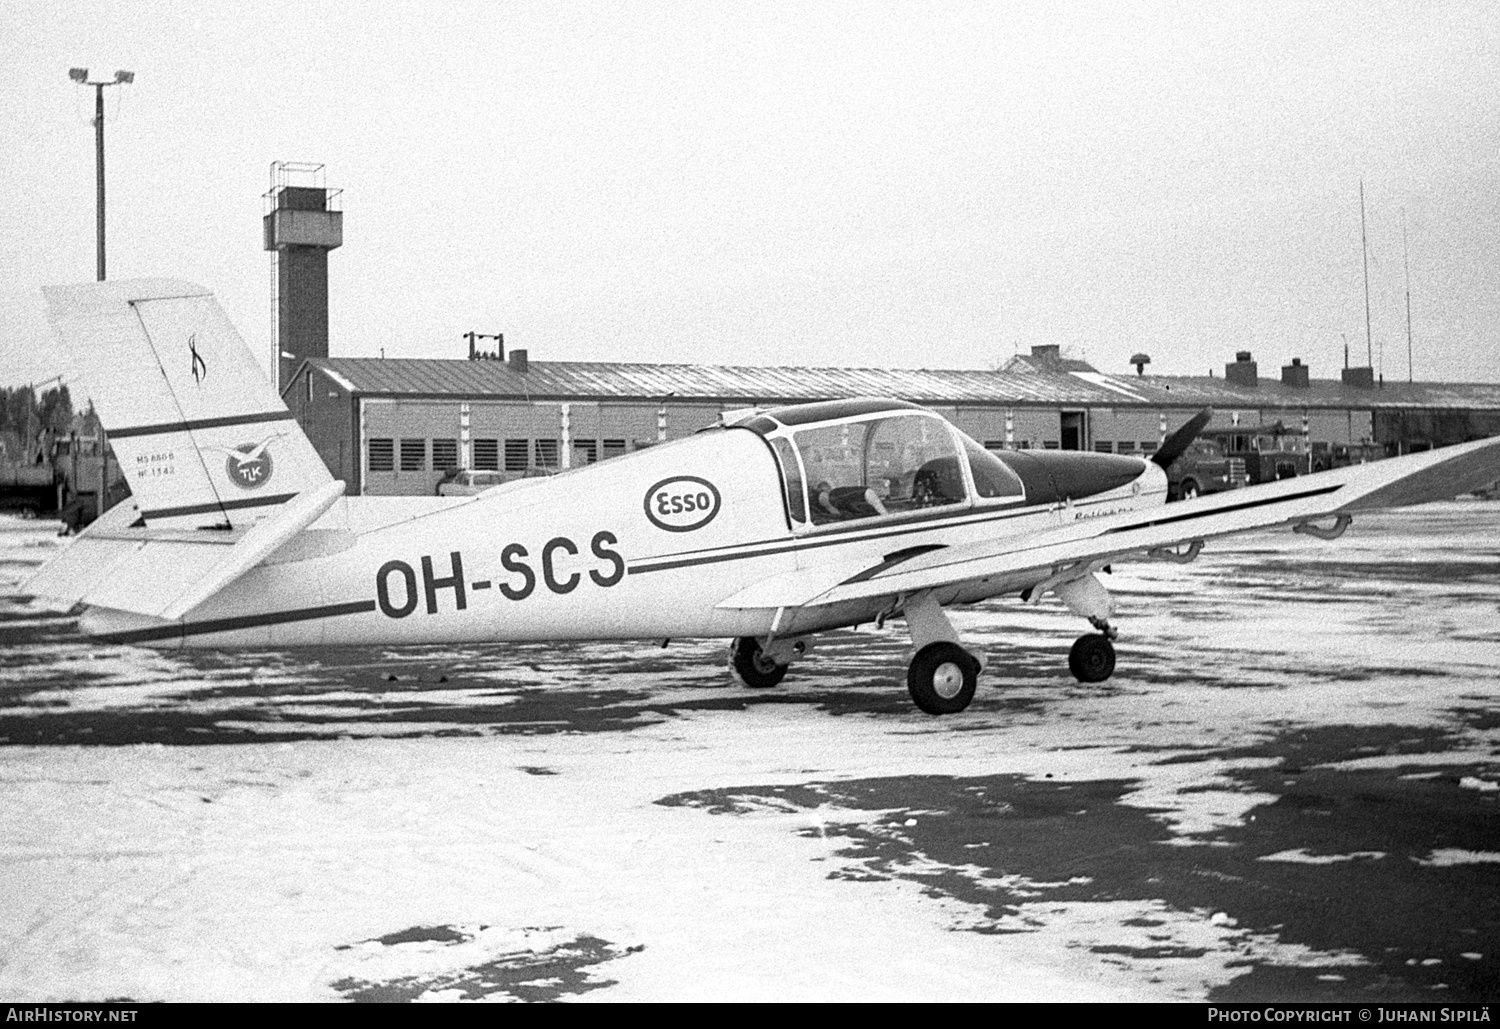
x: 849, y: 460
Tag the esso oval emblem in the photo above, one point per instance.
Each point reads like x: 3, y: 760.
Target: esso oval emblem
x: 682, y: 503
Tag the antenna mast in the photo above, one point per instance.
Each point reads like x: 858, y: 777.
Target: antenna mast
x: 1364, y: 249
x: 1406, y: 260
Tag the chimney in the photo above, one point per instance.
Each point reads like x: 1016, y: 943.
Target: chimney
x: 1294, y: 374
x: 1359, y: 378
x: 1243, y: 372
x: 517, y: 361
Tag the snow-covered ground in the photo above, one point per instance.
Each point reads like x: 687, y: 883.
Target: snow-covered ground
x: 1290, y: 789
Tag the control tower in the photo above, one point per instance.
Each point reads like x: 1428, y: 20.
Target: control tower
x: 302, y: 223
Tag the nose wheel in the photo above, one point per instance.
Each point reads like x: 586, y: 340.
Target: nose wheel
x: 942, y: 678
x: 1092, y: 658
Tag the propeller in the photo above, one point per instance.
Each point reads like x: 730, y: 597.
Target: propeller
x: 1174, y: 445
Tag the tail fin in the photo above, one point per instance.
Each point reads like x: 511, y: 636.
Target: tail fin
x: 202, y: 437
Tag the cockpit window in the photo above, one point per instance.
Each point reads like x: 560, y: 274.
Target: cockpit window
x: 879, y: 467
x: 992, y: 478
x: 791, y: 477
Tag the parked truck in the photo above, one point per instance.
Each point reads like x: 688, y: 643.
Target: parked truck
x: 1204, y: 468
x: 1269, y: 452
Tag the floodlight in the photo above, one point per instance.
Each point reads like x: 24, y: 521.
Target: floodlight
x: 78, y: 74
x: 127, y: 77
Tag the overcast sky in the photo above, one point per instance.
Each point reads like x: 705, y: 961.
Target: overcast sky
x: 917, y: 185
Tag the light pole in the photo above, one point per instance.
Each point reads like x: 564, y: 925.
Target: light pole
x: 122, y: 78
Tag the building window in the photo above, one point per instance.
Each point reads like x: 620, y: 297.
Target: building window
x: 1051, y: 444
x: 1023, y: 444
x: 414, y: 455
x: 1104, y: 446
x: 613, y: 448
x: 546, y: 453
x: 487, y: 455
x: 585, y: 451
x: 444, y: 454
x: 1148, y: 446
x: 517, y: 455
x: 382, y: 455
x: 994, y: 444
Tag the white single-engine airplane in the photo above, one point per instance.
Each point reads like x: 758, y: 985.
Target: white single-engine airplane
x: 765, y: 530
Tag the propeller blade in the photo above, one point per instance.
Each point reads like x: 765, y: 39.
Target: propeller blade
x: 1174, y: 445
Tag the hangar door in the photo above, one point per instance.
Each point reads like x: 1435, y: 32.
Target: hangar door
x: 408, y: 444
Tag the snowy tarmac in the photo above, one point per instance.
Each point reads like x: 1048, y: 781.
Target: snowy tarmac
x: 1289, y: 790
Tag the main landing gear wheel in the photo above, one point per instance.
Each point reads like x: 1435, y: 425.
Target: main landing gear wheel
x: 752, y: 666
x: 942, y: 678
x: 1092, y: 658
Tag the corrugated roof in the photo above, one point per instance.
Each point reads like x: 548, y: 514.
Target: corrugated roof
x: 746, y: 385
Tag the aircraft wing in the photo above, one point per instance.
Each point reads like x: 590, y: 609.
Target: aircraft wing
x: 1077, y: 547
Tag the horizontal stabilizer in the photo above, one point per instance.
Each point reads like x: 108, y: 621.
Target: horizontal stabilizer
x: 165, y: 573
x: 60, y: 584
x: 263, y: 539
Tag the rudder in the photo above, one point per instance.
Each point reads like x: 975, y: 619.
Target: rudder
x: 202, y: 437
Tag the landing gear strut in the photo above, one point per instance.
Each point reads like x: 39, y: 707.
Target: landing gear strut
x: 1092, y: 658
x: 943, y: 675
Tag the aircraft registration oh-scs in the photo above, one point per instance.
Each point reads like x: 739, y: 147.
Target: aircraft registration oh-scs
x: 766, y: 529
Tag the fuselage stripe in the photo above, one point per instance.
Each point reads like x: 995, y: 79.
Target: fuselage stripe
x: 304, y: 614
x: 769, y: 548
x: 163, y: 428
x: 891, y: 561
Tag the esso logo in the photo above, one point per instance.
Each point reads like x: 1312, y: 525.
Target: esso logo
x: 682, y: 503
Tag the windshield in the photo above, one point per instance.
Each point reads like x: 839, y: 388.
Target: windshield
x: 992, y: 478
x: 878, y: 467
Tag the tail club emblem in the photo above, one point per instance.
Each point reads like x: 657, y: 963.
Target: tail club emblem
x: 249, y: 465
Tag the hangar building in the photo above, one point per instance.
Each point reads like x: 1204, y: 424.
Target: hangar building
x: 396, y: 426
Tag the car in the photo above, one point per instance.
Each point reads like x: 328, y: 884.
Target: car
x: 465, y: 482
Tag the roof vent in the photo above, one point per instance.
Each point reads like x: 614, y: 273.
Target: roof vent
x: 517, y: 361
x: 1243, y: 372
x: 1359, y: 378
x: 1294, y: 374
x: 1140, y: 361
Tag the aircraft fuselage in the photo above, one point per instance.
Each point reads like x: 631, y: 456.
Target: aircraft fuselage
x: 644, y: 546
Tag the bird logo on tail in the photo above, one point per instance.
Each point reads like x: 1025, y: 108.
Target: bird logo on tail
x: 249, y: 465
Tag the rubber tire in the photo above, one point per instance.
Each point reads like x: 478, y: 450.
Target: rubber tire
x: 924, y: 668
x: 1092, y: 658
x: 1188, y: 490
x: 754, y: 670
